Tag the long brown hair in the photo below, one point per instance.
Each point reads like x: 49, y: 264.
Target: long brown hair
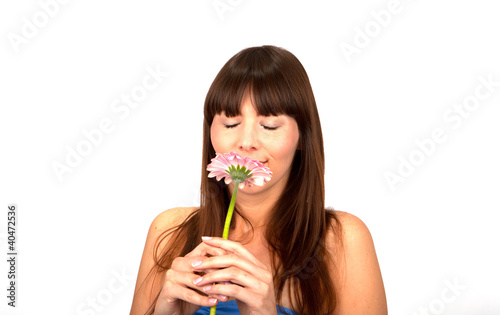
x: 278, y: 84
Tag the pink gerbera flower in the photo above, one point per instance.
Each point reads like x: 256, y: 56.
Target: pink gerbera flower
x: 242, y: 171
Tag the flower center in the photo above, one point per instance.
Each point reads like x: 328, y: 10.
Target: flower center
x: 239, y: 173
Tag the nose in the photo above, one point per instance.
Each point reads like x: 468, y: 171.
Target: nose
x: 248, y: 141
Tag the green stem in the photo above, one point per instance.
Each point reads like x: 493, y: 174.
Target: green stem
x: 230, y: 210
x: 227, y: 224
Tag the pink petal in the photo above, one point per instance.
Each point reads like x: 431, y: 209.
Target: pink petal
x: 219, y: 168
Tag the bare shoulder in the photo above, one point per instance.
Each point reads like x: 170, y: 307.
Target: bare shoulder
x: 170, y: 218
x: 354, y: 230
x: 163, y: 222
x: 346, y: 232
x: 359, y: 268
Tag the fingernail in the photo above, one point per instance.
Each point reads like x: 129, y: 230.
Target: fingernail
x: 213, y: 301
x: 198, y: 280
x: 196, y: 263
x: 207, y: 288
x: 206, y: 238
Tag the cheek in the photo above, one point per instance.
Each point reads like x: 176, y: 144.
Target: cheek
x: 284, y: 148
x: 216, y: 137
x: 213, y: 138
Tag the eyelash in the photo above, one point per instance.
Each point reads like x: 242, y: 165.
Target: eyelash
x: 270, y: 128
x: 235, y: 125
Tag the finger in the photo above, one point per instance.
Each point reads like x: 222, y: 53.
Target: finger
x: 204, y: 249
x: 231, y: 260
x: 232, y: 275
x: 204, y: 271
x: 174, y: 291
x: 194, y: 285
x: 188, y: 264
x: 183, y: 272
x: 185, y: 279
x: 220, y: 297
x: 232, y: 247
x: 228, y: 290
x: 256, y: 296
x: 235, y: 291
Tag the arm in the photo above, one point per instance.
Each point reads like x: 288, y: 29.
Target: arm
x: 175, y: 285
x: 361, y: 289
x: 143, y: 296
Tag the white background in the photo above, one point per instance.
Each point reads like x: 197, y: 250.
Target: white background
x: 437, y: 228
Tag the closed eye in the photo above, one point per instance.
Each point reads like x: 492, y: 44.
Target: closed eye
x: 270, y: 128
x: 231, y: 126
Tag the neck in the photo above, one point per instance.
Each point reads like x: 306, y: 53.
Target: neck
x: 255, y: 208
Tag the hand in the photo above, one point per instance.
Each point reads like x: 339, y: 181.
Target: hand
x: 238, y: 274
x: 179, y: 295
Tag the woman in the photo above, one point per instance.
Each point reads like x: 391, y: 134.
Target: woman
x: 286, y: 253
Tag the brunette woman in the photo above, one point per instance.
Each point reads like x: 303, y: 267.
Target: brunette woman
x: 286, y: 253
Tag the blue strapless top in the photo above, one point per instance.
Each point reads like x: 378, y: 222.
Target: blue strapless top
x: 231, y: 308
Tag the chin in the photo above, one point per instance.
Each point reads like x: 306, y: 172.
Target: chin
x: 251, y: 188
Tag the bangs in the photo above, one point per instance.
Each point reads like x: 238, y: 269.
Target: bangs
x: 259, y: 74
